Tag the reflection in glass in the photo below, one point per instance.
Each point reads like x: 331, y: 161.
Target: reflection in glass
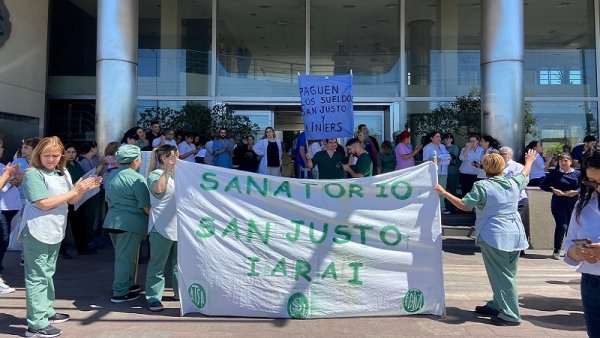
x: 260, y: 47
x: 560, y: 49
x: 174, y: 48
x: 565, y: 122
x: 442, y: 47
x: 364, y: 39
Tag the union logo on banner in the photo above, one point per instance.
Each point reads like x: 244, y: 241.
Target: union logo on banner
x: 327, y: 106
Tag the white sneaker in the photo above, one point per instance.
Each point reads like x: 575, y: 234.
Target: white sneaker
x: 4, y: 288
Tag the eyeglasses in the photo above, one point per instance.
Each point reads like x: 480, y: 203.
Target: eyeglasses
x: 590, y: 184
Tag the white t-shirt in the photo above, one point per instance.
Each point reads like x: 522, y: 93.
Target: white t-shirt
x: 156, y: 142
x: 185, y: 147
x: 9, y: 195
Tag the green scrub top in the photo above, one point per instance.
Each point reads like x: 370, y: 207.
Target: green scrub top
x: 34, y: 185
x: 126, y: 195
x: 329, y: 167
x: 477, y: 197
x: 364, y: 165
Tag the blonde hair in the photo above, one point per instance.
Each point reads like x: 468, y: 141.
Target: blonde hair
x: 493, y: 164
x: 49, y: 144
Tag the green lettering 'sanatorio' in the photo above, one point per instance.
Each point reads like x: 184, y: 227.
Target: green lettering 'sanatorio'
x: 206, y: 224
x: 208, y: 177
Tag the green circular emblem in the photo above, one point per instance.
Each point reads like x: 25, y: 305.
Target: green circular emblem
x: 297, y: 306
x: 413, y: 300
x: 197, y: 295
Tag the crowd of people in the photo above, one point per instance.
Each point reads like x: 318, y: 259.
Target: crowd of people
x: 49, y: 185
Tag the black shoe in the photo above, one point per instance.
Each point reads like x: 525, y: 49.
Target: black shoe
x: 155, y: 306
x: 48, y: 331
x: 486, y: 310
x: 135, y: 288
x: 127, y: 298
x: 501, y: 322
x: 59, y: 318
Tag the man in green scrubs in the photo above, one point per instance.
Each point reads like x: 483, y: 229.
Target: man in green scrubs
x: 363, y: 166
x: 127, y: 219
x: 329, y: 161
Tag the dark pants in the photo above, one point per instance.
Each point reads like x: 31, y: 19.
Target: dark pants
x: 466, y: 183
x: 562, y: 215
x: 77, y: 222
x: 590, y: 299
x: 535, y: 182
x: 6, y: 217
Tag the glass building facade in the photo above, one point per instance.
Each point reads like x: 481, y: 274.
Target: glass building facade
x: 406, y: 57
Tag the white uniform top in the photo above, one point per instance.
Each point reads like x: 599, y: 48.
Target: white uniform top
x: 48, y: 226
x: 156, y: 142
x: 466, y: 166
x: 513, y: 168
x: 9, y: 195
x: 441, y: 153
x: 185, y: 147
x: 586, y: 227
x: 163, y: 211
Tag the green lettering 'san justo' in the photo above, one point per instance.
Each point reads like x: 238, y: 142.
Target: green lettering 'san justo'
x: 294, y: 238
x: 406, y: 194
x: 253, y: 260
x: 232, y: 226
x: 390, y: 228
x: 197, y: 295
x: 234, y: 184
x: 208, y: 177
x: 297, y: 306
x: 253, y: 229
x: 355, y: 189
x: 355, y: 279
x: 207, y: 228
x: 381, y: 187
x: 330, y: 271
x: 343, y: 231
x: 340, y: 190
x: 279, y: 267
x: 311, y: 233
x: 252, y: 183
x: 363, y: 232
x: 284, y: 188
x: 302, y: 269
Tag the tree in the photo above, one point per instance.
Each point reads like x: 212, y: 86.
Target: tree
x: 463, y: 117
x: 200, y: 119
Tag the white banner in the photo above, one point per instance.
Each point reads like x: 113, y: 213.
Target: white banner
x: 262, y: 246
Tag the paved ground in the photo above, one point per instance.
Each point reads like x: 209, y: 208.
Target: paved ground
x: 549, y: 292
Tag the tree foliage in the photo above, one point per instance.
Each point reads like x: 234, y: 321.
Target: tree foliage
x: 200, y: 119
x: 463, y: 117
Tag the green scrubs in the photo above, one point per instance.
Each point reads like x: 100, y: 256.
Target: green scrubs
x: 126, y: 196
x: 41, y: 244
x: 364, y: 165
x: 329, y: 167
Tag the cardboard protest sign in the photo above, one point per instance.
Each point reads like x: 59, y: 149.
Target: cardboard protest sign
x: 265, y: 246
x: 327, y: 106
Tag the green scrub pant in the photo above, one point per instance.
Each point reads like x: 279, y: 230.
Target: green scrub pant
x: 442, y: 180
x: 163, y: 252
x: 501, y: 267
x: 40, y: 265
x: 127, y: 246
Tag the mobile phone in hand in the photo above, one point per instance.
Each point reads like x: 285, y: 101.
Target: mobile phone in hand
x: 582, y: 241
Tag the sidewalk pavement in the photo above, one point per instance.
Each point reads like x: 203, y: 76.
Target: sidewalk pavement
x: 549, y: 297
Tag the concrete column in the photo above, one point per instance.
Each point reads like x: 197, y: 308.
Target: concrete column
x: 502, y: 50
x: 448, y: 23
x: 420, y: 48
x: 116, y: 69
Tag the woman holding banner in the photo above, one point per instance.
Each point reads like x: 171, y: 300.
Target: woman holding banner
x: 162, y: 225
x: 499, y: 232
x: 269, y: 150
